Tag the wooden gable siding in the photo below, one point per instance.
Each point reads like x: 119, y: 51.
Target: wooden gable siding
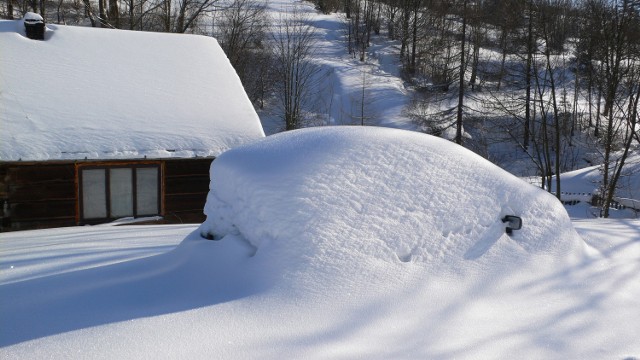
x: 44, y: 195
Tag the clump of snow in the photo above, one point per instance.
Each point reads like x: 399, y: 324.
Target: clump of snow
x: 32, y: 17
x: 361, y: 194
x: 109, y: 94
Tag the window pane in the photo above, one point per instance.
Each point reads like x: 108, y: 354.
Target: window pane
x: 121, y: 188
x: 94, y: 198
x: 147, y: 191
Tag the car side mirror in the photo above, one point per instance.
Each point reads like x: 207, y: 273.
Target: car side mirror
x: 513, y: 223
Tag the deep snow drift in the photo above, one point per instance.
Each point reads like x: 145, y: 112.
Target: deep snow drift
x: 399, y: 253
x: 359, y: 194
x: 104, y: 94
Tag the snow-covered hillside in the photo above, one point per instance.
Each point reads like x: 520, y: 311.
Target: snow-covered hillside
x: 347, y: 90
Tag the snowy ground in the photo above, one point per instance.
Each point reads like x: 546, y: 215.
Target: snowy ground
x: 324, y: 286
x: 477, y: 323
x: 342, y: 78
x: 378, y: 244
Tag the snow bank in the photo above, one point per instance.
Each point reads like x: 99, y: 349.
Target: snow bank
x: 209, y: 299
x: 333, y: 196
x: 588, y: 181
x: 108, y: 94
x: 333, y: 243
x: 31, y: 254
x: 105, y: 275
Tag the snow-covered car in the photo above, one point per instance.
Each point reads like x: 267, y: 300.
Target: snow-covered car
x: 361, y: 193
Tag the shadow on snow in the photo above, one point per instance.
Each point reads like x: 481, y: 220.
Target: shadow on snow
x: 183, y: 279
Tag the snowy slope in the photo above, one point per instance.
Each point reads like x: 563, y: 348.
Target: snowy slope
x: 103, y: 94
x: 342, y: 79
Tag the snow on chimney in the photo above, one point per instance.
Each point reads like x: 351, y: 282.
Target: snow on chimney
x: 34, y: 26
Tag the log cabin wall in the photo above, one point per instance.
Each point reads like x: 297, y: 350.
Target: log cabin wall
x: 186, y: 185
x: 37, y: 195
x: 4, y: 219
x: 44, y: 195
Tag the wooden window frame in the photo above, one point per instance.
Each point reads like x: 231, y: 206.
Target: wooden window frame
x: 107, y: 188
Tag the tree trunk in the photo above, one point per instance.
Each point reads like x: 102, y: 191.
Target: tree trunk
x: 88, y: 12
x: 503, y: 47
x: 530, y: 53
x: 114, y: 14
x: 414, y: 42
x: 458, y: 138
x: 101, y: 12
x: 475, y: 58
x: 554, y: 104
x: 10, y: 10
x: 405, y: 30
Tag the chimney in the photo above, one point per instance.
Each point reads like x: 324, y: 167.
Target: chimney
x: 34, y: 26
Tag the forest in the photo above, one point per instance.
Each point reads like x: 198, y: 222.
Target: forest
x: 559, y: 80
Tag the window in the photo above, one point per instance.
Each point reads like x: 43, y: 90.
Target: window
x: 112, y: 192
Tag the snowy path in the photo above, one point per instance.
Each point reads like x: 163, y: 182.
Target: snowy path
x: 343, y: 78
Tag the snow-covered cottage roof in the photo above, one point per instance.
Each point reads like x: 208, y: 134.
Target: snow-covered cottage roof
x: 112, y: 94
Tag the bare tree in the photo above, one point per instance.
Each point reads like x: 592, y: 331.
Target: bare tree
x: 241, y: 33
x: 362, y: 20
x: 461, y: 72
x: 365, y: 112
x: 617, y: 53
x: 114, y: 14
x: 10, y: 10
x: 547, y: 20
x: 181, y: 15
x: 293, y: 43
x: 241, y: 29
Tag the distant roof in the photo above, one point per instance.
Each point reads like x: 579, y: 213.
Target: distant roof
x: 113, y: 94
